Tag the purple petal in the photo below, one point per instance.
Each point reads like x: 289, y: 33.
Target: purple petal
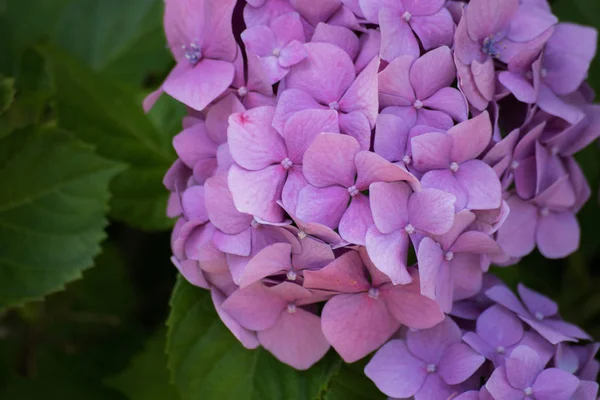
x: 391, y: 135
x: 389, y: 202
x: 316, y: 11
x: 431, y: 210
x: 430, y: 257
x: 500, y: 388
x: 557, y: 234
x: 389, y: 252
x: 190, y: 269
x: 356, y: 220
x: 395, y: 87
x: 536, y: 302
x: 434, y: 388
x: 431, y: 151
x: 470, y: 138
x: 257, y: 192
x: 431, y: 344
x: 254, y: 307
x: 324, y: 206
x: 517, y: 235
x: 397, y: 38
x: 481, y: 185
x: 522, y: 367
x: 395, y: 371
x: 431, y: 72
x: 342, y: 37
x: 503, y: 296
x: 488, y: 17
x: 303, y: 127
x: 291, y: 101
x: 362, y: 94
x: 330, y: 160
x: 372, y: 167
x: 459, y: 363
x: 445, y: 180
x: 246, y: 337
x: 499, y: 327
x: 357, y: 125
x: 555, y: 384
x: 449, y: 101
x: 434, y: 30
x: 220, y: 207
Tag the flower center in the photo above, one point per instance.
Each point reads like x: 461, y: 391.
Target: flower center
x: 374, y: 293
x: 291, y: 275
x: 554, y: 150
x: 489, y: 47
x: 334, y: 105
x: 500, y: 349
x: 286, y: 163
x: 514, y: 164
x: 353, y: 190
x: 301, y: 235
x: 291, y: 308
x: 528, y: 391
x: 192, y: 53
x: 418, y: 104
x: 242, y: 91
x: 409, y: 229
x: 431, y: 368
x: 545, y: 212
x: 406, y: 16
x: 255, y: 224
x: 407, y: 160
x: 454, y: 166
x: 539, y: 316
x: 276, y: 52
x: 543, y: 72
x: 449, y: 256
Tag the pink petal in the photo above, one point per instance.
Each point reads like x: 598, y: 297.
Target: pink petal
x: 246, y: 337
x: 434, y: 118
x: 470, y: 138
x: 253, y: 143
x: 389, y: 252
x: 296, y: 339
x: 220, y: 207
x: 303, y: 127
x: 431, y: 72
x: 291, y: 101
x: 434, y: 30
x: 391, y: 135
x: 288, y: 27
x: 197, y: 86
x: 389, y: 202
x: 357, y: 125
x: 330, y: 160
x: 345, y: 275
x: 325, y: 206
x: 430, y: 257
x: 342, y: 37
x: 475, y: 242
x: 193, y: 145
x: 356, y: 324
x: 254, y: 307
x: 325, y: 74
x: 237, y: 244
x: 459, y: 363
x: 397, y: 38
x: 517, y: 235
x: 191, y: 272
x: 259, y: 39
x: 395, y: 87
x: 373, y: 168
x: 431, y: 210
x: 445, y: 180
x: 257, y: 192
x: 316, y: 11
x: 395, y: 371
x: 294, y: 183
x: 269, y: 261
x: 362, y: 94
x: 487, y: 17
x: 292, y: 54
x: 450, y: 101
x: 431, y: 151
x: 484, y: 77
x: 217, y: 117
x: 356, y: 220
x: 557, y: 234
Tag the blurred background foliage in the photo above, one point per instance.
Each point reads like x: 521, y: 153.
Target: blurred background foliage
x: 81, y: 168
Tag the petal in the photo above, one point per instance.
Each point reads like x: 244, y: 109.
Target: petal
x: 481, y: 185
x: 554, y: 105
x: 470, y: 138
x: 528, y: 23
x: 373, y: 168
x: 345, y: 275
x: 459, y: 363
x: 522, y: 367
x: 395, y: 88
x: 391, y: 135
x: 257, y: 192
x: 488, y: 17
x: 292, y: 54
x: 467, y: 275
x: 294, y: 183
x: 516, y: 236
x: 397, y: 38
x: 499, y: 327
x: 431, y: 344
x: 253, y: 142
x: 259, y: 39
x: 303, y: 127
x: 431, y: 72
x: 499, y: 387
x: 484, y: 77
x: 445, y: 180
x: 536, y: 302
x: 254, y: 307
x: 190, y: 269
x: 296, y: 339
x: 410, y: 307
x: 462, y: 220
x: 450, y: 101
x: 357, y: 125
x: 557, y: 234
x: 356, y: 220
x: 325, y: 74
x: 193, y: 206
x: 316, y: 11
x: 389, y: 253
x: 246, y: 337
x: 193, y: 144
x: 519, y: 86
x: 342, y: 37
x: 217, y: 117
x: 362, y: 95
x: 503, y: 296
x: 431, y: 151
x: 434, y: 388
x: 434, y: 30
x: 288, y: 27
x: 431, y: 210
x: 395, y: 371
x: 434, y: 119
x: 330, y: 160
x: 356, y: 324
x: 389, y: 203
x: 325, y: 206
x: 476, y: 243
x: 220, y: 207
x: 199, y: 85
x: 555, y: 384
x: 430, y: 257
x: 269, y: 261
x: 291, y: 101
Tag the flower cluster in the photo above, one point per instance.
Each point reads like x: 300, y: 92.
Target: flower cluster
x: 520, y: 348
x: 351, y: 167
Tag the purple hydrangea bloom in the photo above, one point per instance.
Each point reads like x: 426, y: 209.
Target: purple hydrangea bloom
x: 426, y: 365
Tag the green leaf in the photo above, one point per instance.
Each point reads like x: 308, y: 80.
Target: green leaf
x: 122, y: 39
x: 350, y: 383
x: 111, y: 119
x: 52, y: 206
x: 208, y: 363
x: 7, y: 93
x: 147, y: 377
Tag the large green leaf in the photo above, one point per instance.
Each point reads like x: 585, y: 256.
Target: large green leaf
x: 52, y: 205
x: 208, y: 363
x: 112, y: 120
x: 122, y: 39
x: 7, y: 93
x: 350, y: 383
x: 147, y: 377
